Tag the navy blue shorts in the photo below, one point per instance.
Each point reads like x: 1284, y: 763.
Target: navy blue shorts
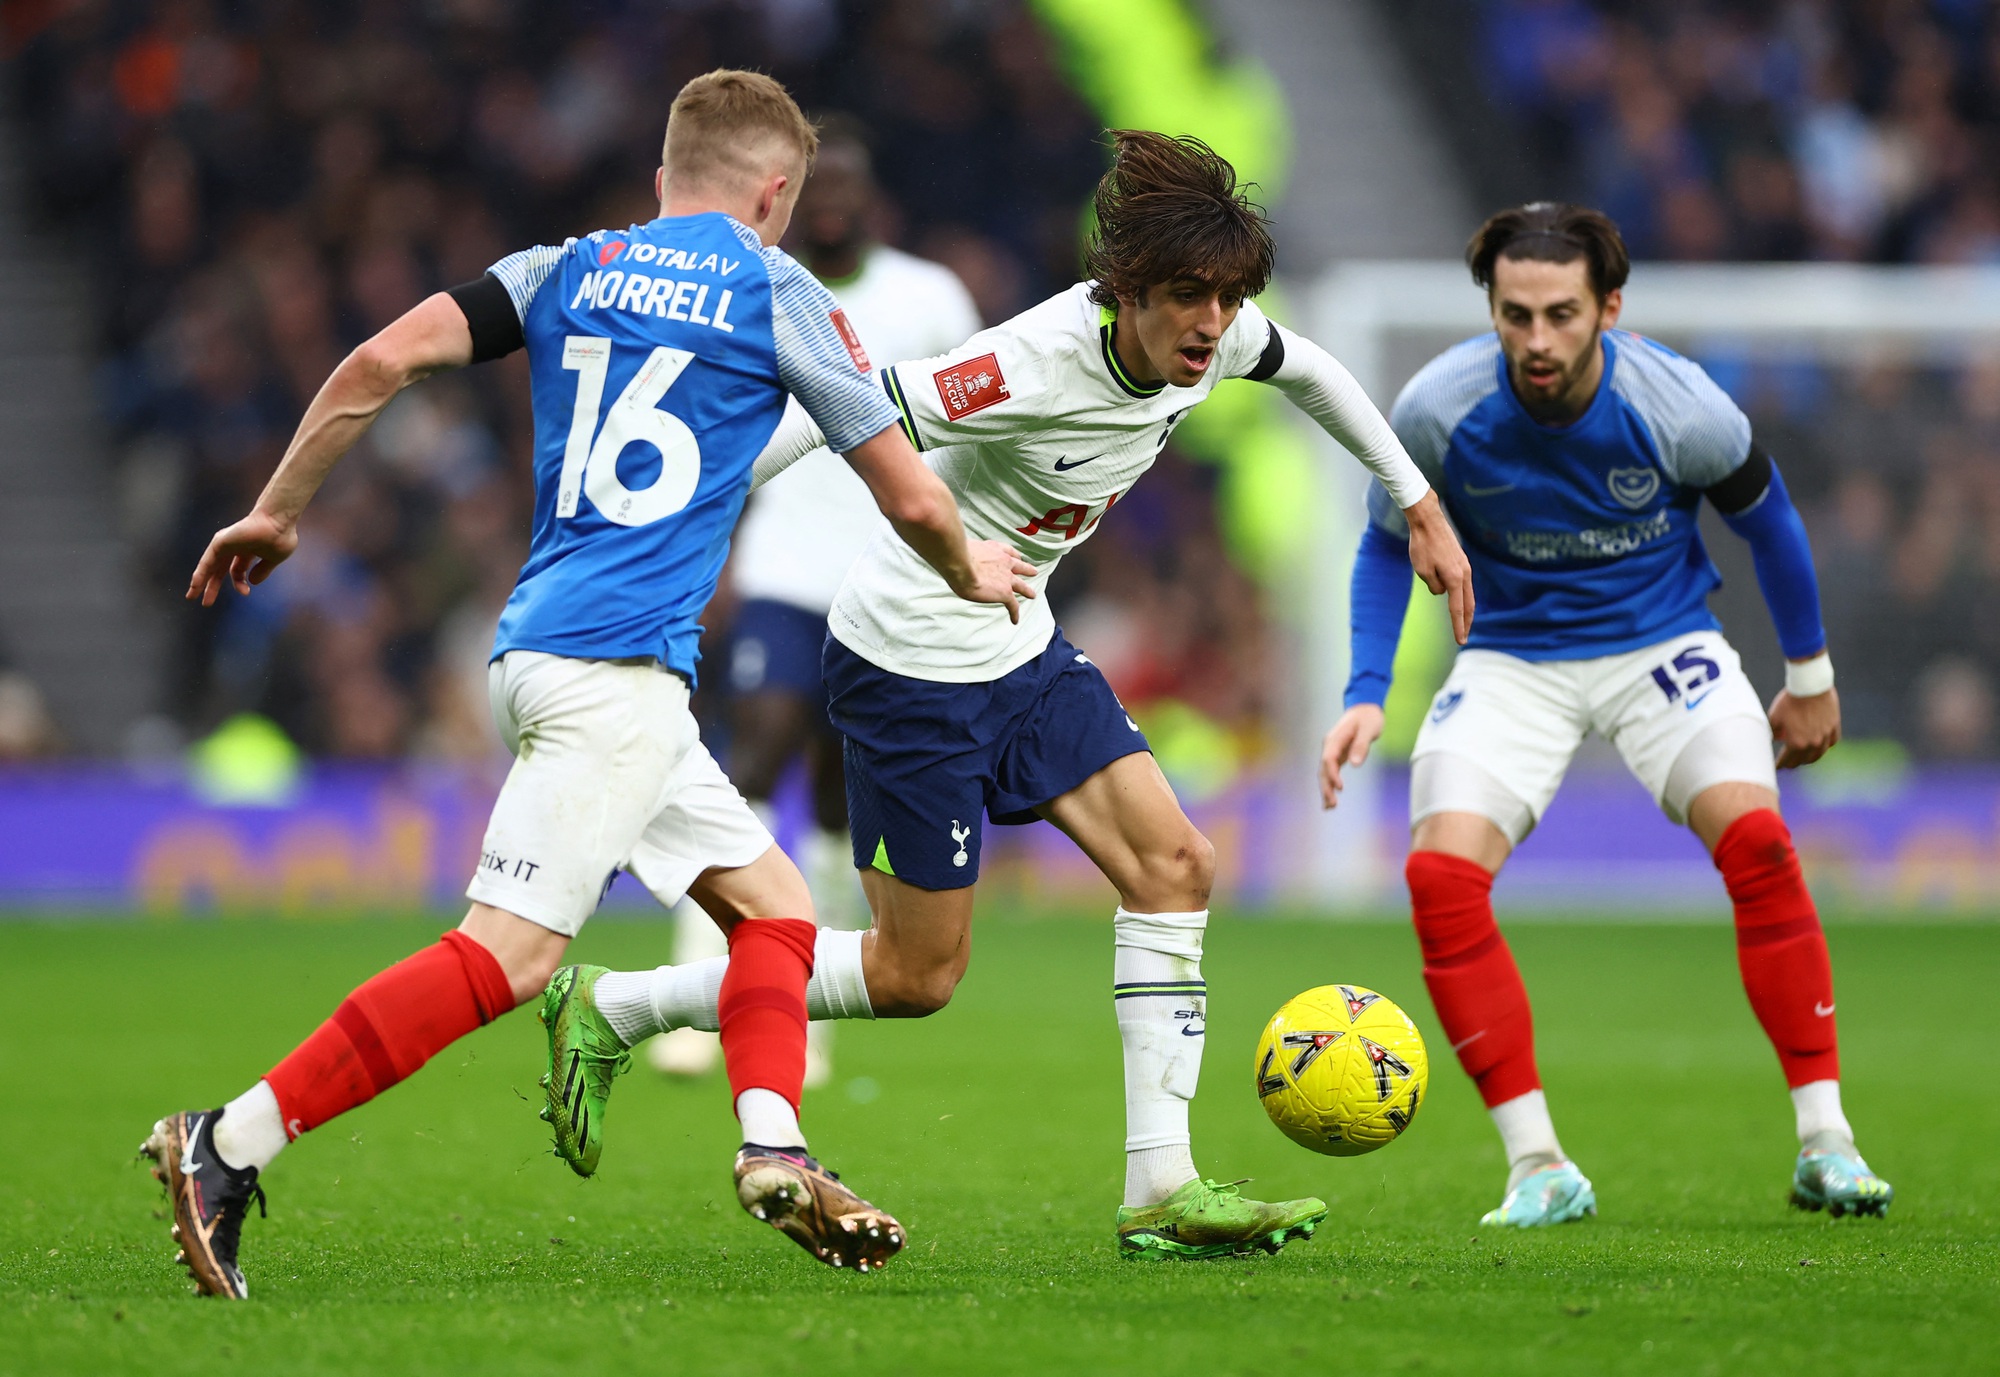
x: 926, y: 760
x: 774, y: 645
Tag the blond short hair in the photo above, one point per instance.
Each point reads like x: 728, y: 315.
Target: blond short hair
x: 725, y: 125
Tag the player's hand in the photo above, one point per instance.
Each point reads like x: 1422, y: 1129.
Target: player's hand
x: 1440, y: 562
x: 996, y: 573
x: 1804, y: 728
x: 1347, y: 744
x: 243, y: 554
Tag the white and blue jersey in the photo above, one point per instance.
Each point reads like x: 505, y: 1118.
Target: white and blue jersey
x: 659, y: 358
x: 1583, y: 538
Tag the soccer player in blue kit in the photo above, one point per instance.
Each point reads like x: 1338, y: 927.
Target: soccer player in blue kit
x: 660, y: 357
x: 1572, y: 457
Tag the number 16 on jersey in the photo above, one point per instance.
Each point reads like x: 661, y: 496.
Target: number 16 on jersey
x: 590, y: 459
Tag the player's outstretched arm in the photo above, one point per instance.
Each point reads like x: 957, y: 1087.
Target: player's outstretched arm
x: 925, y: 515
x: 1317, y: 384
x: 429, y: 337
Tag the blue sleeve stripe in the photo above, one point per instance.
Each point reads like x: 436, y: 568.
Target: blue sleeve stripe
x: 523, y: 273
x: 814, y: 363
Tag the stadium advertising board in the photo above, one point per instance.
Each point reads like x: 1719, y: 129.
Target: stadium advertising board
x: 402, y: 839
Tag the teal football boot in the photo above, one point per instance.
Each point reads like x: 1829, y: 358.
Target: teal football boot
x: 1555, y: 1194
x: 1835, y: 1179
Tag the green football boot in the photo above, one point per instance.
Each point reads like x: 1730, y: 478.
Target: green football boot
x: 585, y: 1056
x: 1555, y: 1194
x: 1212, y: 1219
x: 1839, y: 1182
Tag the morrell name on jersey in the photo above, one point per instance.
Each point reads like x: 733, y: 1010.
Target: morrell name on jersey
x: 653, y: 293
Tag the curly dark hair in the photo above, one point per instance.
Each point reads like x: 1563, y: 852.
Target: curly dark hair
x: 1170, y: 209
x: 1551, y: 232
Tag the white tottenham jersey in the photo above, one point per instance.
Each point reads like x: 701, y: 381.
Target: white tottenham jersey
x: 1038, y: 431
x: 800, y: 535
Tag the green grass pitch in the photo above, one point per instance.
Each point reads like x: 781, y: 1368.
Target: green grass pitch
x: 431, y: 1232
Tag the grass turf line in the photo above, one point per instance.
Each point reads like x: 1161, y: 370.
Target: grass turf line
x: 431, y: 1232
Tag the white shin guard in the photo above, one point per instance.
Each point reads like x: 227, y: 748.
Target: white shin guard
x: 1162, y: 1004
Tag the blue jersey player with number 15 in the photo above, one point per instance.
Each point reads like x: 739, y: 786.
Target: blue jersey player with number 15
x: 660, y: 358
x: 1574, y: 457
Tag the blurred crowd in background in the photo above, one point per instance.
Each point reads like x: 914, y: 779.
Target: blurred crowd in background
x: 262, y: 184
x: 1763, y: 129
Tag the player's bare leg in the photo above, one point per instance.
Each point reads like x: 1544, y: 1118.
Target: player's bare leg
x: 209, y: 1161
x: 1788, y: 976
x: 1477, y: 991
x: 1127, y: 820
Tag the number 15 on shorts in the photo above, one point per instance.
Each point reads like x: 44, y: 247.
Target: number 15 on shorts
x: 1689, y: 679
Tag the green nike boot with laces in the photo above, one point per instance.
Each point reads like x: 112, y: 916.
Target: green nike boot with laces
x: 1206, y: 1219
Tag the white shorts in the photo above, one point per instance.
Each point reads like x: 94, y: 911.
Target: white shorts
x: 1502, y: 730
x: 609, y: 774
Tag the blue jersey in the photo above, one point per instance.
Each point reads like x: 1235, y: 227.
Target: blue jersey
x: 1583, y: 538
x: 659, y: 358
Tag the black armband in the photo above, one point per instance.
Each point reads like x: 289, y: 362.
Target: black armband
x: 1273, y: 358
x: 1744, y: 488
x: 489, y: 311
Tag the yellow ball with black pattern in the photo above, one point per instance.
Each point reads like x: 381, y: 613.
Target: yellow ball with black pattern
x: 1341, y: 1070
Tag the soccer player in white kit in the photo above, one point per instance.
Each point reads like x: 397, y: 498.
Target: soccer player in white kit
x: 1575, y: 457
x: 792, y: 550
x: 1039, y: 426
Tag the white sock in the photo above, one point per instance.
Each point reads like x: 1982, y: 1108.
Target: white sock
x: 251, y: 1131
x: 838, y: 989
x: 1161, y: 1002
x: 1821, y: 1122
x: 827, y: 858
x: 1153, y: 1174
x: 768, y: 1120
x: 1527, y: 1133
x: 638, y: 1004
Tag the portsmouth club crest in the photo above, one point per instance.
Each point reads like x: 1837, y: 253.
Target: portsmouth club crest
x: 1633, y: 488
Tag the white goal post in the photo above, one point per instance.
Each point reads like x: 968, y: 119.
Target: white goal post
x: 1359, y: 310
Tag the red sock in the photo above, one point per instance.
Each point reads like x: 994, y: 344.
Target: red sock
x: 763, y: 1005
x: 1474, y: 984
x: 1779, y: 945
x: 386, y: 1029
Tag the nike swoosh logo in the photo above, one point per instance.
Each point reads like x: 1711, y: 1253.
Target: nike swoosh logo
x: 1467, y: 1042
x: 1065, y: 465
x: 187, y: 1151
x: 1823, y: 1010
x: 1693, y: 703
x: 1471, y: 491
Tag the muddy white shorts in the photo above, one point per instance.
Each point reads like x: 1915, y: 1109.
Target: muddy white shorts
x: 1502, y: 730
x: 609, y: 774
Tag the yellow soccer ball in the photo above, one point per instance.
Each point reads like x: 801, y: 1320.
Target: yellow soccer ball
x: 1341, y: 1070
